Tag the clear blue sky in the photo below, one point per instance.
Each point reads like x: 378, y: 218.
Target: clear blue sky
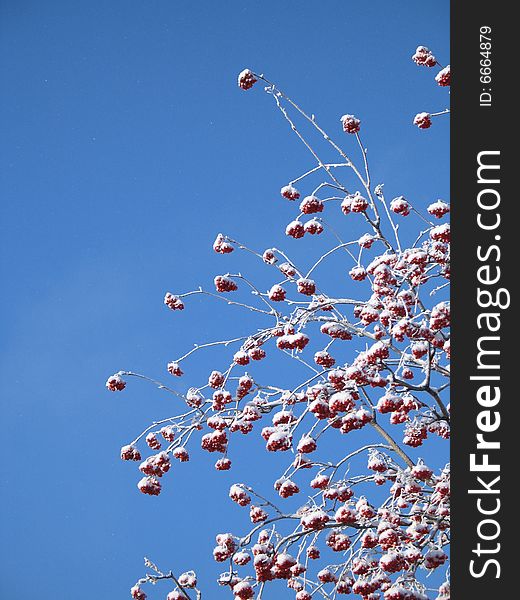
x: 125, y: 147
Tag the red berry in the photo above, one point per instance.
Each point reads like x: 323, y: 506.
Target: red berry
x: 115, y: 383
x: 350, y: 124
x: 423, y: 120
x: 174, y: 369
x: 443, y: 78
x: 246, y: 79
x: 290, y: 192
x: 306, y: 286
x: 150, y: 486
x: 295, y: 229
x: 276, y: 293
x: 221, y: 245
x: 310, y: 205
x: 173, y: 302
x: 424, y: 57
x: 400, y: 206
x: 224, y: 284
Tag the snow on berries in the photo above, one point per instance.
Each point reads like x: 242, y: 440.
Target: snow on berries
x: 423, y: 120
x: 115, y: 383
x: 295, y: 229
x: 221, y: 245
x: 239, y: 495
x: 438, y: 209
x: 246, y: 79
x: 354, y: 203
x: 443, y: 77
x: 306, y: 286
x: 173, y: 302
x: 223, y: 283
x: 174, y: 369
x: 441, y: 233
x: 289, y: 192
x: 314, y: 227
x: 423, y: 56
x: 400, y: 206
x: 310, y: 205
x: 137, y: 593
x: 306, y: 445
x: 150, y: 486
x: 181, y: 454
x: 350, y: 124
x: 277, y: 293
x: 130, y: 452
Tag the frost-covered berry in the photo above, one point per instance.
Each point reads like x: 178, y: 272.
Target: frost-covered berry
x: 310, y: 205
x: 339, y: 542
x: 269, y: 257
x: 295, y: 229
x: 423, y: 120
x: 188, y: 580
x: 137, y: 593
x: 174, y: 369
x: 239, y: 495
x: 256, y: 353
x: 115, y: 383
x: 350, y: 124
x: 315, y: 519
x: 400, y: 206
x: 306, y: 445
x: 327, y: 576
x: 366, y: 241
x: 443, y: 78
x: 434, y: 559
x: 241, y: 358
x: 216, y: 379
x: 223, y: 464
x: 181, y: 454
x: 314, y: 227
x: 168, y: 433
x: 320, y: 482
x: 276, y: 293
x: 289, y: 192
x: 173, y: 302
x: 257, y: 514
x: 130, y: 453
x: 306, y: 286
x: 345, y: 514
x: 176, y: 595
x: 224, y: 284
x: 287, y: 269
x: 243, y: 590
x: 221, y: 245
x: 288, y: 489
x: 278, y: 441
x: 246, y: 79
x: 423, y: 56
x: 358, y: 273
x: 441, y: 233
x: 153, y: 441
x: 324, y: 359
x: 150, y: 486
x: 439, y: 209
x: 358, y: 204
x: 241, y: 558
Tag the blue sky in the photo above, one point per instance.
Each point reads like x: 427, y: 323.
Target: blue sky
x: 126, y: 146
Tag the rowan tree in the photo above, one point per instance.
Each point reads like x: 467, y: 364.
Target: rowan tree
x: 375, y: 521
